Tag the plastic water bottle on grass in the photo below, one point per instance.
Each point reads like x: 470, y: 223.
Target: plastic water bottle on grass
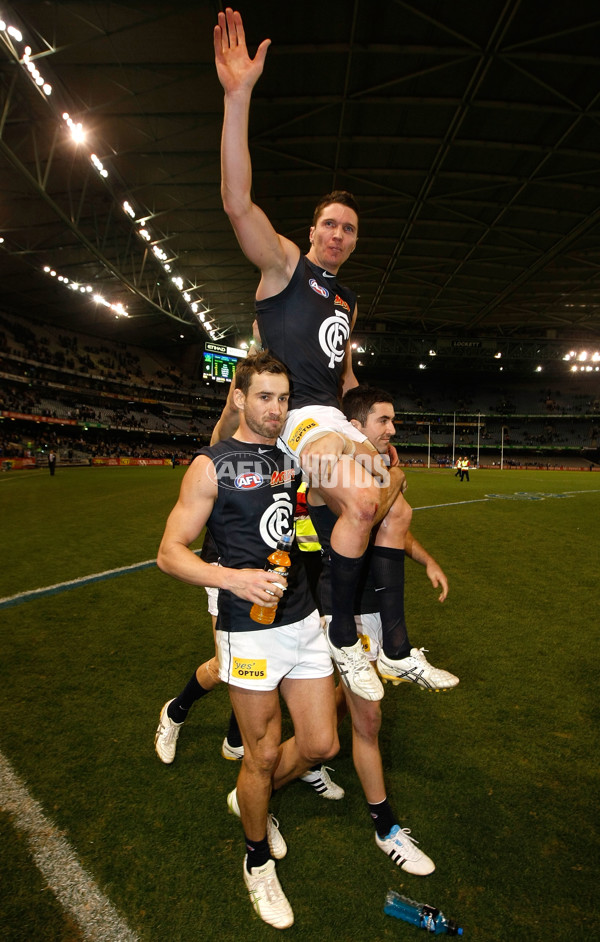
x: 419, y: 914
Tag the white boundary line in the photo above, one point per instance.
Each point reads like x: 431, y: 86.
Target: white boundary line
x: 72, y: 886
x: 73, y: 583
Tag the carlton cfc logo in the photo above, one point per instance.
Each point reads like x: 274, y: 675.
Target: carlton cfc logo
x: 318, y: 288
x: 333, y: 336
x: 246, y: 481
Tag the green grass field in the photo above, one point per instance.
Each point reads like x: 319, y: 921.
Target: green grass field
x: 498, y: 779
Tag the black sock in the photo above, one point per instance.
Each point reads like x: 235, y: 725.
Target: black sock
x: 178, y: 709
x: 234, y: 737
x: 387, y: 570
x: 258, y: 853
x: 383, y: 817
x: 345, y: 576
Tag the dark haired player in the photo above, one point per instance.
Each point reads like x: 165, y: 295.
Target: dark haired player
x: 372, y: 412
x: 305, y: 318
x: 244, y: 491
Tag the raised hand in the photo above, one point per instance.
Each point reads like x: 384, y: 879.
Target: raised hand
x: 236, y: 70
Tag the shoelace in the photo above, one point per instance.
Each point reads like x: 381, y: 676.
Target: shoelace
x: 359, y: 662
x: 273, y: 890
x: 406, y: 833
x: 170, y: 733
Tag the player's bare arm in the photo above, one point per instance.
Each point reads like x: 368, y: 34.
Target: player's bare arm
x: 349, y: 380
x: 273, y: 254
x: 185, y: 524
x: 435, y: 573
x: 229, y: 420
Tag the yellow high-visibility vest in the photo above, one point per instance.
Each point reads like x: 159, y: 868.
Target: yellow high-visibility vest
x: 306, y: 535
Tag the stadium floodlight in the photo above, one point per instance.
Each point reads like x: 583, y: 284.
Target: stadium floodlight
x: 98, y: 165
x: 76, y: 128
x: 77, y: 133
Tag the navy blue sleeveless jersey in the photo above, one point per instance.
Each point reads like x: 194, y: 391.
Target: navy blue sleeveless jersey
x: 257, y: 486
x: 209, y: 552
x: 307, y: 326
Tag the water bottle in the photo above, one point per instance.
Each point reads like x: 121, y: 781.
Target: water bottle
x: 279, y: 561
x: 419, y: 914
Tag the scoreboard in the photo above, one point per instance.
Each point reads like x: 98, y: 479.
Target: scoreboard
x: 220, y: 362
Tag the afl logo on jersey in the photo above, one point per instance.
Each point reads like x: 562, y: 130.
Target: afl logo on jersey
x: 241, y: 470
x: 318, y: 288
x: 246, y: 481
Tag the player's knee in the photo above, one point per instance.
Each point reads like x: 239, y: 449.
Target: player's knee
x: 213, y: 670
x: 323, y: 747
x: 361, y: 508
x: 261, y: 758
x: 367, y: 722
x: 399, y: 515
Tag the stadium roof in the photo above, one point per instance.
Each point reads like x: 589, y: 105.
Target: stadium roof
x: 468, y: 131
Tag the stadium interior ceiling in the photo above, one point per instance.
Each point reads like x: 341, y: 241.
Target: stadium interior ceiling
x: 469, y: 133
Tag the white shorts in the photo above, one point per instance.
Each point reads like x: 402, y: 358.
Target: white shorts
x: 259, y: 660
x: 304, y: 424
x: 368, y: 629
x: 213, y: 597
